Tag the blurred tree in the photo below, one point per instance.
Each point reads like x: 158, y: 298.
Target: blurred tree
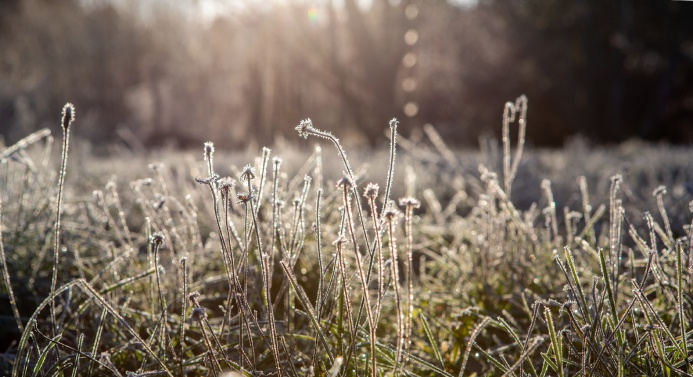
x: 161, y: 73
x: 611, y: 69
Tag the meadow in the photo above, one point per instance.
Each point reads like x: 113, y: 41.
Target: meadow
x: 312, y: 260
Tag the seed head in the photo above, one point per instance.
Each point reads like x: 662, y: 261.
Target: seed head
x: 226, y: 185
x: 198, y: 314
x: 157, y: 238
x: 661, y: 190
x: 391, y: 213
x: 393, y: 123
x: 68, y: 115
x: 209, y: 150
x: 409, y: 202
x: 244, y: 197
x: 340, y: 240
x: 193, y: 296
x: 277, y: 161
x: 248, y: 173
x: 371, y: 191
x: 345, y: 182
x: 304, y: 128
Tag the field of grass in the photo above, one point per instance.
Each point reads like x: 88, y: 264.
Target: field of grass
x: 299, y: 261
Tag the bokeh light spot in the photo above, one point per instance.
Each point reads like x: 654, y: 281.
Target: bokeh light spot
x: 411, y: 109
x: 411, y: 11
x: 409, y: 59
x: 411, y: 37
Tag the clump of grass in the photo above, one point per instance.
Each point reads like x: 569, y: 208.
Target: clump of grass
x: 482, y: 282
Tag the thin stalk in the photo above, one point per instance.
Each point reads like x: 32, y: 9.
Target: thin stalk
x: 371, y: 194
x: 8, y: 283
x: 267, y: 278
x: 364, y: 283
x: 390, y: 216
x: 184, y: 309
x: 472, y: 341
x: 682, y: 317
x: 263, y: 174
x: 306, y: 128
x: 157, y: 240
x: 409, y: 204
x: 321, y: 279
x: 391, y: 166
x: 67, y: 119
x: 309, y: 309
x: 521, y: 104
x: 341, y: 264
x: 275, y: 209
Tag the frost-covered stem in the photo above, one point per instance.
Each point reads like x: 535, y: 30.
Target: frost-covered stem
x: 409, y: 205
x: 521, y: 106
x: 379, y: 254
x: 362, y: 276
x: 67, y: 119
x: 306, y: 128
x: 345, y: 305
x: 391, y: 168
x: 390, y: 216
x: 8, y: 284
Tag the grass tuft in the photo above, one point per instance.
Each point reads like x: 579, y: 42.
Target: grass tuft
x: 164, y: 277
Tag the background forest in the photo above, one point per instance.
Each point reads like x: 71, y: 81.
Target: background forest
x: 164, y: 72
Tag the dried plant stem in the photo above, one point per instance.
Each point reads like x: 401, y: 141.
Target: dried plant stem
x: 321, y: 268
x: 210, y: 349
x: 275, y: 210
x: 614, y: 229
x: 394, y: 269
x: 306, y: 303
x: 306, y: 128
x: 6, y: 275
x: 184, y: 309
x: 409, y: 204
x: 471, y: 342
x: 263, y: 174
x: 546, y: 186
x: 68, y: 112
x: 659, y: 193
x: 274, y: 344
x: 157, y: 240
x: 379, y: 253
x: 259, y: 253
x: 509, y: 114
x: 364, y: 283
x: 679, y: 288
x: 345, y: 306
x: 391, y: 165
